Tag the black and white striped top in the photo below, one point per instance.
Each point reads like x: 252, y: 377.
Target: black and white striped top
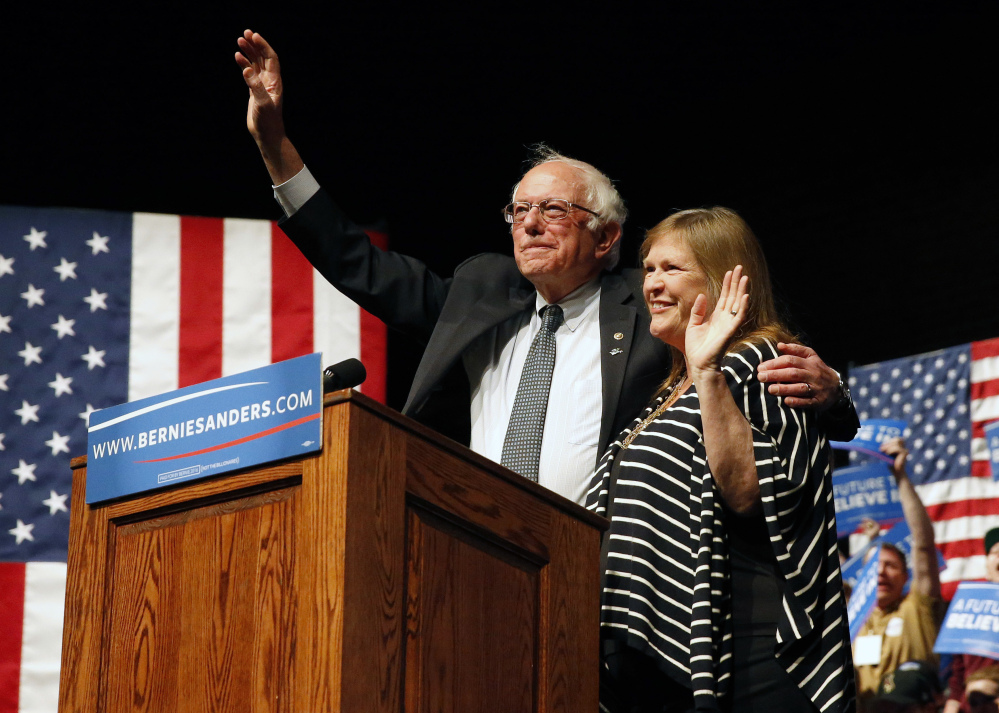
x: 667, y: 588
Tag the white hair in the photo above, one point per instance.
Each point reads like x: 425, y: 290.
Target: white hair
x: 601, y: 195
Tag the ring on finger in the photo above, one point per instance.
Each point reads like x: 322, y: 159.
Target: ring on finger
x: 808, y: 391
x: 735, y: 312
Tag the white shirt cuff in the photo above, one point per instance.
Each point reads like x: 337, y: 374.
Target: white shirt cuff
x: 296, y: 191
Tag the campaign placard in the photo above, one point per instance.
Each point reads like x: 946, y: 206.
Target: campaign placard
x: 864, y: 596
x: 865, y: 492
x: 873, y: 432
x: 235, y: 422
x: 972, y: 622
x: 992, y: 438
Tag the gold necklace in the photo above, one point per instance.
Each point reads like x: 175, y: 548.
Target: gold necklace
x: 671, y: 399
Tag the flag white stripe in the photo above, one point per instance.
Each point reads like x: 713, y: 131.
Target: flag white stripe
x: 985, y: 369
x: 246, y: 295
x: 336, y: 323
x: 155, y: 325
x: 958, y: 529
x: 961, y: 568
x: 41, y: 644
x: 948, y: 491
x: 985, y: 409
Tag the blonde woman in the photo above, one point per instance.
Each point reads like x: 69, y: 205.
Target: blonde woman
x: 722, y: 588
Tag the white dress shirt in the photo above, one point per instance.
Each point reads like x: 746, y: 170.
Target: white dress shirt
x: 495, y: 361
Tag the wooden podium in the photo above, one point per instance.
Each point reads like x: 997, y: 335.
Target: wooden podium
x: 394, y: 571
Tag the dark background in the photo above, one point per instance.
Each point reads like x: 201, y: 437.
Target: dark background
x: 858, y: 141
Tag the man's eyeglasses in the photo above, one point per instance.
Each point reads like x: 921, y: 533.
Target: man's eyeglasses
x: 551, y: 209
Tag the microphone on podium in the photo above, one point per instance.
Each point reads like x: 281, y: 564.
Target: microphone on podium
x: 343, y: 375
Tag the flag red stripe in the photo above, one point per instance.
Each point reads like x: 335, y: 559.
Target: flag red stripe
x: 981, y: 469
x: 984, y: 389
x: 11, y: 628
x: 201, y: 264
x: 291, y: 299
x: 374, y: 341
x: 986, y: 348
x: 963, y: 508
x: 962, y: 548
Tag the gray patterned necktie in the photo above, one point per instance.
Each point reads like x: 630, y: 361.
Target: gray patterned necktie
x: 522, y: 445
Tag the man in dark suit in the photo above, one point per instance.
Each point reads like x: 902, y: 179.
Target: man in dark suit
x: 479, y: 326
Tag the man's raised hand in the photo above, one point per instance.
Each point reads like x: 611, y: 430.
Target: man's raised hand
x: 264, y: 119
x: 262, y: 74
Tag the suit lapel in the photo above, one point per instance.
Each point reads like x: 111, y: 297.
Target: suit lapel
x: 451, y: 339
x: 618, y: 315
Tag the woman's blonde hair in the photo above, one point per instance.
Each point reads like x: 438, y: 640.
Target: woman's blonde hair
x: 720, y: 239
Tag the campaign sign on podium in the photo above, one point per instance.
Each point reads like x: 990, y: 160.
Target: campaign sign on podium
x: 237, y: 421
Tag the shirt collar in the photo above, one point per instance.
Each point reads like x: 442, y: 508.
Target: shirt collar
x: 575, y: 305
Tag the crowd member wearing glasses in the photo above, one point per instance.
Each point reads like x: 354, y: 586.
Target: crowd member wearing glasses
x: 981, y: 691
x: 722, y: 588
x: 479, y: 326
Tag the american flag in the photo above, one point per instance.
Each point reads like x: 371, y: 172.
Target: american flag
x: 98, y: 308
x: 946, y: 397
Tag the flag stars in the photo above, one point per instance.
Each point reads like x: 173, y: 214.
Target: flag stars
x: 36, y: 238
x: 22, y: 532
x: 24, y: 472
x: 56, y: 503
x: 66, y: 270
x: 31, y: 354
x: 2, y: 446
x: 99, y: 243
x: 85, y: 415
x: 34, y: 296
x: 64, y: 327
x: 58, y: 444
x: 4, y: 324
x: 96, y: 300
x: 94, y: 357
x: 27, y: 412
x: 6, y: 266
x: 3, y: 382
x: 61, y: 385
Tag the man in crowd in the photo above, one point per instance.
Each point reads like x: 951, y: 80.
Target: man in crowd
x: 964, y: 665
x: 902, y: 627
x: 491, y: 375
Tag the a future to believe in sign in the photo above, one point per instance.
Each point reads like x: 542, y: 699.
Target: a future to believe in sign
x: 204, y: 430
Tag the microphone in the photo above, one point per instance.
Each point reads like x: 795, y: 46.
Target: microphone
x: 344, y: 375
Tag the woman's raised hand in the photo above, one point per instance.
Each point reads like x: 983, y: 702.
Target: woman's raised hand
x: 707, y: 336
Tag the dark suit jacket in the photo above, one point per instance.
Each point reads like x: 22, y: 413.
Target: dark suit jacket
x: 447, y: 315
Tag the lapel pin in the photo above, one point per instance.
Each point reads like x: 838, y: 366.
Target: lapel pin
x: 619, y: 335
x: 615, y: 352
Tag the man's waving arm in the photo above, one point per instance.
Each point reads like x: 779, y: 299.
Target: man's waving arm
x: 264, y: 117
